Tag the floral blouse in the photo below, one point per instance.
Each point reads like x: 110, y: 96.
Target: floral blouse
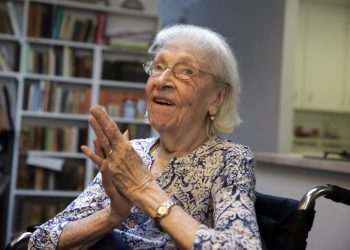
x: 215, y: 184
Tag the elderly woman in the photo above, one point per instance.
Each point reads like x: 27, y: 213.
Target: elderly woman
x: 189, y: 188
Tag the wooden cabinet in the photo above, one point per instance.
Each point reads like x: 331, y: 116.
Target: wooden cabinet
x: 323, y: 58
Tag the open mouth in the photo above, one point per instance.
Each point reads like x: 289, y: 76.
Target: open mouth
x: 162, y: 101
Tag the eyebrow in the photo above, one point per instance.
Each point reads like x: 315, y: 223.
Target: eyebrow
x: 184, y: 59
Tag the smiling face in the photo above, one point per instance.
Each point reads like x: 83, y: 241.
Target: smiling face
x: 180, y: 105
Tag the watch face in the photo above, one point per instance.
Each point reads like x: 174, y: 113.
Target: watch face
x: 162, y: 210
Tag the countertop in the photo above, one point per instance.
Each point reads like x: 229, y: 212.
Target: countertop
x: 298, y: 161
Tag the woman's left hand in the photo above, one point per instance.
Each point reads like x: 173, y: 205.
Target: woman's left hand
x: 119, y: 207
x: 130, y: 175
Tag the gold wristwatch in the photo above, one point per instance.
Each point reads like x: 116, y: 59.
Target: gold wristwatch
x: 162, y: 211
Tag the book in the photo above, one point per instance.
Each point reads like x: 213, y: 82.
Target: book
x: 129, y: 43
x: 67, y: 64
x: 57, y: 99
x: 39, y: 179
x: 47, y: 22
x: 64, y: 26
x: 51, y: 61
x: 4, y: 64
x: 9, y: 56
x: 4, y: 122
x: 89, y: 23
x: 19, y: 16
x: 13, y: 18
x: 5, y: 22
x: 29, y: 59
x: 101, y: 28
x: 57, y: 23
x: 77, y: 29
x: 85, y: 101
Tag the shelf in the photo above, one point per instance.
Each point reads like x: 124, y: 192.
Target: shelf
x: 65, y: 155
x: 319, y: 146
x: 54, y: 42
x: 75, y: 80
x: 9, y: 74
x: 96, y: 7
x: 75, y: 117
x: 106, y: 48
x: 9, y: 37
x: 46, y: 193
x: 321, y: 141
x: 121, y: 84
x: 60, y: 116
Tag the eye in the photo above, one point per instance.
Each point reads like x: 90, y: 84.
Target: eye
x: 185, y: 69
x: 158, y: 67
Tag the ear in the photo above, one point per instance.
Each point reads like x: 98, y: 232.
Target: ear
x: 220, y: 93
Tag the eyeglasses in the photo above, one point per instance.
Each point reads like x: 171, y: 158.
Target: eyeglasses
x: 182, y: 71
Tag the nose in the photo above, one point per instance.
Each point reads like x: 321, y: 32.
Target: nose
x: 166, y: 79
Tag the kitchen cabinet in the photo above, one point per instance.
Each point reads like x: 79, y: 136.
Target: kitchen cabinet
x: 322, y: 58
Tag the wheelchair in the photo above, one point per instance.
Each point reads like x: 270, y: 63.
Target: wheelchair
x: 284, y: 223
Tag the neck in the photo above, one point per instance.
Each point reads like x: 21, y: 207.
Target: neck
x: 179, y: 144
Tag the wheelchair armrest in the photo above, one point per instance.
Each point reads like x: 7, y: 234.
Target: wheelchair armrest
x: 333, y: 192
x: 19, y: 242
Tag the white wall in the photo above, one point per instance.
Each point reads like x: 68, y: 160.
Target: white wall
x: 332, y: 220
x: 254, y: 29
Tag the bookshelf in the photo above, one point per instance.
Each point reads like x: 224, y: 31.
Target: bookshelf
x: 63, y: 60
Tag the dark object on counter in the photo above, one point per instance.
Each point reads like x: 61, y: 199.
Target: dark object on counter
x: 344, y: 155
x: 132, y: 4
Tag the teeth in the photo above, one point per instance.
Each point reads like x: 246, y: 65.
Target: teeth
x: 163, y: 101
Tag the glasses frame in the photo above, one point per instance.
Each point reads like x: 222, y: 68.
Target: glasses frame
x: 147, y: 66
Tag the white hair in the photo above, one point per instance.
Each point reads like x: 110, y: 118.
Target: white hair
x: 223, y: 63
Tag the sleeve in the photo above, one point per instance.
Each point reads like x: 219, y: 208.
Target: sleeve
x: 92, y: 199
x: 233, y: 194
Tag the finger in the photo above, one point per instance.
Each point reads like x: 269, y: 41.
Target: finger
x: 126, y: 134
x: 107, y: 180
x: 101, y: 137
x: 98, y: 149
x: 89, y: 153
x: 108, y: 126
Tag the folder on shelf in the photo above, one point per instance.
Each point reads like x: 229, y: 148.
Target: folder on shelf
x: 47, y: 162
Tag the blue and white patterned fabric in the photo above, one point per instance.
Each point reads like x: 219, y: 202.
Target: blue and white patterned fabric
x: 215, y: 184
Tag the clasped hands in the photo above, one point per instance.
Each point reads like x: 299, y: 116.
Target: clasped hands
x: 124, y: 175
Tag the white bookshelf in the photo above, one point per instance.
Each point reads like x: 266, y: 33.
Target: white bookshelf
x: 116, y: 16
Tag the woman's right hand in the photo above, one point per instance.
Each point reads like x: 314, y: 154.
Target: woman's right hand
x: 119, y: 207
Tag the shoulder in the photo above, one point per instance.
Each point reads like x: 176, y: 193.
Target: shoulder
x: 237, y: 164
x: 231, y: 150
x: 142, y: 145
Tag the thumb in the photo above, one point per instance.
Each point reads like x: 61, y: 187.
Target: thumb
x: 126, y: 134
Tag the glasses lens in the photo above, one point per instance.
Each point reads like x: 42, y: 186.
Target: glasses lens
x: 147, y: 66
x: 184, y: 71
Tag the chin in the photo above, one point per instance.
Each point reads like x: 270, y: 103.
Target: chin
x: 160, y: 124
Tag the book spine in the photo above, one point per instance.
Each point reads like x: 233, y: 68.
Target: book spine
x: 13, y: 17
x: 101, y: 28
